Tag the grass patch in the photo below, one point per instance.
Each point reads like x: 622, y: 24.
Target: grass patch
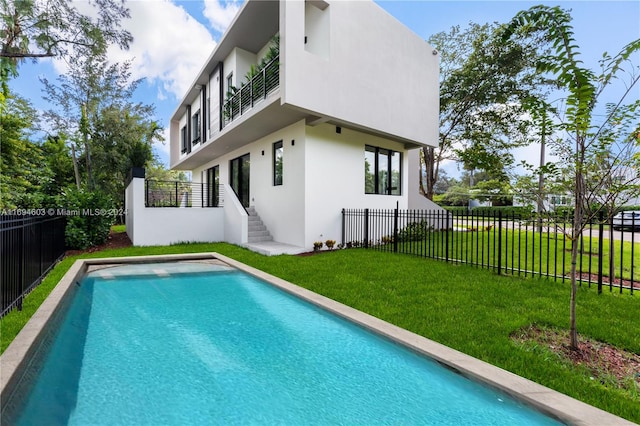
x: 118, y: 228
x: 471, y: 310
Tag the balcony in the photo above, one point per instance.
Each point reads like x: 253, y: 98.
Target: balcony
x: 264, y: 82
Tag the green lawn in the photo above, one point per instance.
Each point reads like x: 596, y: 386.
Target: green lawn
x: 466, y: 308
x: 545, y: 253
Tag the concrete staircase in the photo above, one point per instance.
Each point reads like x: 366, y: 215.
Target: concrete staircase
x: 257, y: 231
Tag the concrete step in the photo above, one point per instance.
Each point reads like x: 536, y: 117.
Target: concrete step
x: 260, y: 239
x: 263, y: 233
x: 258, y: 232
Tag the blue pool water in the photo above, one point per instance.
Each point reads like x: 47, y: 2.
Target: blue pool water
x: 222, y: 347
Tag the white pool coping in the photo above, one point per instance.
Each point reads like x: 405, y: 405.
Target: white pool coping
x: 15, y: 359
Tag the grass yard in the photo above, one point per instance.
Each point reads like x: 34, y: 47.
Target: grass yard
x: 521, y: 250
x: 469, y: 309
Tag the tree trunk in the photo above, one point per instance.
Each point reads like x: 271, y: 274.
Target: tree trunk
x: 576, y: 233
x: 428, y: 157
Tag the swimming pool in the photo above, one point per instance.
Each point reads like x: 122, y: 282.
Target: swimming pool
x: 205, y: 343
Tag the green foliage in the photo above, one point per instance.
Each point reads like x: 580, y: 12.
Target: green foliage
x: 56, y: 28
x: 483, y: 82
x: 506, y: 211
x: 111, y: 134
x: 456, y: 195
x: 92, y: 219
x: 23, y: 167
x: 589, y: 146
x: 416, y: 231
x: 58, y: 160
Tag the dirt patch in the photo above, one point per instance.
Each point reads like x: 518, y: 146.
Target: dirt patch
x: 605, y: 363
x: 593, y: 278
x: 115, y: 240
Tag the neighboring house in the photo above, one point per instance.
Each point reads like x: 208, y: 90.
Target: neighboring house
x: 551, y: 201
x: 305, y: 108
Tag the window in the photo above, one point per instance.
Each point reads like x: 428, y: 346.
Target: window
x: 183, y: 139
x: 229, y: 82
x: 277, y: 163
x: 382, y: 171
x: 195, y: 125
x: 213, y: 191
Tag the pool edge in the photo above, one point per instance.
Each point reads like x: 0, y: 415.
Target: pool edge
x: 560, y: 406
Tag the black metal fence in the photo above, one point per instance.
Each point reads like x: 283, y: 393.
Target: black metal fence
x: 506, y: 243
x: 182, y: 194
x: 29, y: 247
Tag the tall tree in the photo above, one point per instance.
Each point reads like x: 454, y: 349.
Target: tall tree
x: 36, y: 29
x: 22, y: 166
x: 583, y: 88
x: 483, y: 85
x: 109, y: 133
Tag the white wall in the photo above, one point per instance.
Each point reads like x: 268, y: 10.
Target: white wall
x: 378, y: 74
x: 317, y: 29
x: 281, y: 208
x: 238, y: 61
x: 169, y: 225
x: 334, y: 179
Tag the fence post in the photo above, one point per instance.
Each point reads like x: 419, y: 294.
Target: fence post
x: 600, y: 255
x: 395, y: 228
x: 499, y: 242
x: 177, y: 202
x: 21, y: 263
x: 343, y: 220
x: 446, y: 234
x: 146, y: 193
x: 366, y: 228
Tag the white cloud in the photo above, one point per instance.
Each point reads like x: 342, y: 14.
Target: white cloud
x: 220, y: 14
x: 169, y: 46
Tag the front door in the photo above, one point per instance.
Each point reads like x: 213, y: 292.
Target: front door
x: 239, y: 169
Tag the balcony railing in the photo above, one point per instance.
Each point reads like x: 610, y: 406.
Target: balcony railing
x: 182, y: 194
x: 252, y: 92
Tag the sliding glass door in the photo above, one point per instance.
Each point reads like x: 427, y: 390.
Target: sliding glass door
x: 239, y: 178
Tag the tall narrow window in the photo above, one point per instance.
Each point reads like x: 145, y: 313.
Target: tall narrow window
x: 277, y: 163
x: 213, y: 190
x: 229, y: 82
x: 369, y: 170
x: 382, y: 171
x: 195, y: 125
x: 183, y: 139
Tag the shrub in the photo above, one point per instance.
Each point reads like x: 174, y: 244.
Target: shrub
x: 317, y: 245
x: 506, y: 211
x: 330, y: 244
x: 91, y: 218
x: 415, y: 231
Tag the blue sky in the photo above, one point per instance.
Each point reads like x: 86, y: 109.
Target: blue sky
x: 173, y: 39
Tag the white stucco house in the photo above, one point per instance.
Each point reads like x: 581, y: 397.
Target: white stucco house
x: 304, y: 108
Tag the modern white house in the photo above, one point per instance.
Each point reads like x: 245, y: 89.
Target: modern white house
x: 304, y: 108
